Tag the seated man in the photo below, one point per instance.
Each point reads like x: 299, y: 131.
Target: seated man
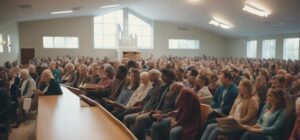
x: 163, y: 103
x: 27, y: 87
x: 224, y: 96
x: 129, y: 114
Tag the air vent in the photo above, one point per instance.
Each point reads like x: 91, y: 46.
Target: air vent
x: 182, y: 28
x: 76, y: 8
x: 25, y: 6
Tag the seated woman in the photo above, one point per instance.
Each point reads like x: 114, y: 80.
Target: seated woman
x: 82, y: 76
x: 51, y: 87
x: 183, y: 125
x: 244, y: 111
x: 55, y: 71
x: 272, y: 118
x: 27, y: 87
x: 102, y: 88
x: 295, y: 135
x: 106, y: 79
x: 70, y: 75
x: 203, y: 92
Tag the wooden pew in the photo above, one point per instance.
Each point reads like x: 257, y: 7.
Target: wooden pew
x: 62, y: 118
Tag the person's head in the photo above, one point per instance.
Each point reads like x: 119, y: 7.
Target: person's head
x: 134, y: 77
x: 12, y: 72
x: 260, y: 81
x: 154, y: 75
x: 275, y: 97
x: 82, y: 70
x: 69, y: 67
x: 109, y: 71
x: 264, y: 73
x: 298, y: 107
x: 191, y: 75
x: 168, y: 76
x: 245, y: 88
x: 52, y: 66
x: 32, y: 69
x: 235, y: 73
x: 202, y: 80
x: 177, y: 86
x: 281, y: 72
x: 131, y: 64
x: 278, y: 81
x: 289, y: 79
x: 121, y: 72
x: 226, y: 77
x: 213, y: 78
x: 144, y: 78
x: 24, y: 74
x: 179, y: 74
x: 46, y: 76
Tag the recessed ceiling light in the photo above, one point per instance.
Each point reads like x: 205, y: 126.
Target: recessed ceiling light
x: 111, y: 6
x: 255, y: 9
x: 61, y: 12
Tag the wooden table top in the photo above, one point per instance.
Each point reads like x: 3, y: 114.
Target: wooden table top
x: 62, y: 118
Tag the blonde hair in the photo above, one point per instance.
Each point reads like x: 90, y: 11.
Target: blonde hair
x: 48, y: 73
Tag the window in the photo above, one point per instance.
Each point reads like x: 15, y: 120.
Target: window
x: 268, y: 48
x: 291, y: 48
x: 106, y: 29
x: 251, y: 49
x: 142, y: 30
x: 60, y: 42
x: 8, y: 43
x: 183, y: 44
x: 1, y: 46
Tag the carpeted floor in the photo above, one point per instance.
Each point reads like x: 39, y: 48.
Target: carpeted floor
x: 26, y: 130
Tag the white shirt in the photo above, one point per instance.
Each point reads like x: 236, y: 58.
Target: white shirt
x: 204, y: 92
x: 31, y: 87
x: 139, y: 94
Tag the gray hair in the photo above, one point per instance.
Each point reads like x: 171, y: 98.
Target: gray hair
x: 156, y: 73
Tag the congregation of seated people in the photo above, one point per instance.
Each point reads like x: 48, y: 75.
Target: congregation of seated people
x: 168, y: 98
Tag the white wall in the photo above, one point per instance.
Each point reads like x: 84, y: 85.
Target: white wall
x: 31, y: 34
x: 12, y: 30
x: 237, y: 47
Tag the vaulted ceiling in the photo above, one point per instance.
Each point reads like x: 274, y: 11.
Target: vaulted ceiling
x: 284, y: 17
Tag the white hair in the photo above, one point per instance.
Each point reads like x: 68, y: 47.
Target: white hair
x: 71, y: 66
x: 25, y: 72
x: 144, y: 74
x: 155, y: 73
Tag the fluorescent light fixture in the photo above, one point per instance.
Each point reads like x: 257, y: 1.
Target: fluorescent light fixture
x: 111, y: 6
x: 220, y: 24
x: 61, y: 12
x: 214, y: 22
x: 255, y: 10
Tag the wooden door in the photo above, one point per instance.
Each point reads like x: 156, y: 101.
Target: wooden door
x: 27, y: 54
